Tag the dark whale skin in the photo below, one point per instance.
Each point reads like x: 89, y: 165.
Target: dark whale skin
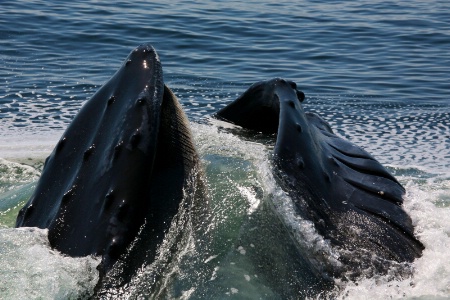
x: 353, y: 201
x: 121, y: 168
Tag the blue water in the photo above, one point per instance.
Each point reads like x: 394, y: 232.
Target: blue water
x: 378, y: 71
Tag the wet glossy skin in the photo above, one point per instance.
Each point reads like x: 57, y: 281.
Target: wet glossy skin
x: 352, y: 199
x: 118, y: 170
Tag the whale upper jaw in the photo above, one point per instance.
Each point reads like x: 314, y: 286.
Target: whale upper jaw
x: 258, y: 108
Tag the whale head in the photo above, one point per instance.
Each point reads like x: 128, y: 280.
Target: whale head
x: 120, y: 170
x: 350, y: 197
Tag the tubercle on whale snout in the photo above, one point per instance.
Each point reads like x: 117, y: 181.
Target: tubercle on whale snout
x: 280, y: 85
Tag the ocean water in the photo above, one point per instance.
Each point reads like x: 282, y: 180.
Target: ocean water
x: 377, y: 71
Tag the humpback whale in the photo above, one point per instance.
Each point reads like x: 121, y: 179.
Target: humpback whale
x: 121, y: 171
x: 125, y: 170
x: 352, y: 200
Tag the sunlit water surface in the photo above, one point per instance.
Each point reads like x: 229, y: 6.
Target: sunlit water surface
x: 377, y: 71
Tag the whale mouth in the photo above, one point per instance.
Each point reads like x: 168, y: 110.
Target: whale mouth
x: 258, y: 108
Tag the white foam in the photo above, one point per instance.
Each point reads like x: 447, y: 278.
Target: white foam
x: 431, y: 277
x: 427, y: 201
x: 13, y: 174
x: 30, y: 269
x: 418, y: 156
x: 251, y: 197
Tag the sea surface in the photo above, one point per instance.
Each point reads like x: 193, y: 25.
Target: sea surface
x: 377, y: 71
